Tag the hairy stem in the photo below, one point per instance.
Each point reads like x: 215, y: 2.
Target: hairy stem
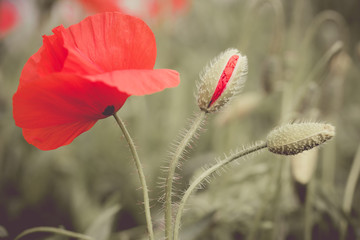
x: 206, y: 174
x: 173, y: 164
x: 141, y: 176
x: 54, y: 231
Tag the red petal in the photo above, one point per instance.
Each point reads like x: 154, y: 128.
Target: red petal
x: 48, y: 59
x: 109, y: 41
x: 63, y: 99
x: 224, y: 78
x: 98, y: 44
x: 101, y: 5
x: 54, y: 54
x: 53, y: 137
x: 139, y: 82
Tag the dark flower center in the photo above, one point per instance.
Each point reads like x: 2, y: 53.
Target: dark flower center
x: 109, y: 110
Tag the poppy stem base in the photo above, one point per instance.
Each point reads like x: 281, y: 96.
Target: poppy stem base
x: 140, y: 173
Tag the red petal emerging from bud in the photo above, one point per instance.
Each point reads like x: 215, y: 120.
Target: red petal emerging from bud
x: 224, y: 78
x: 221, y: 80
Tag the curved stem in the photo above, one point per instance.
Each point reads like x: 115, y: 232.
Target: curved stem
x: 206, y: 174
x: 314, y: 73
x: 141, y: 175
x: 53, y: 230
x: 321, y: 18
x: 173, y: 164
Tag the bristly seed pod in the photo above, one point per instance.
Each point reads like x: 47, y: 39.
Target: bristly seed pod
x: 295, y: 138
x: 221, y: 80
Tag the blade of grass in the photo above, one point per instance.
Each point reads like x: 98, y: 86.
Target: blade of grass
x: 349, y: 191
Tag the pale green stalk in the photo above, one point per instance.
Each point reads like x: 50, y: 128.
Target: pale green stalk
x: 141, y: 176
x: 349, y: 190
x: 172, y: 168
x: 276, y: 198
x: 55, y: 231
x: 309, y: 218
x: 205, y: 175
x: 259, y: 215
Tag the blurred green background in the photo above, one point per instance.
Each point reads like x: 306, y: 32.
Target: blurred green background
x: 304, y: 64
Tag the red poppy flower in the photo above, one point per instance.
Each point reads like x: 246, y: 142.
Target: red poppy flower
x: 85, y: 73
x: 158, y: 8
x: 101, y: 5
x: 8, y: 17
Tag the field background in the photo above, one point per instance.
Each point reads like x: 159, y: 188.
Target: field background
x: 304, y: 64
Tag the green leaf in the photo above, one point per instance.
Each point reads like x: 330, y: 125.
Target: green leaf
x: 100, y: 229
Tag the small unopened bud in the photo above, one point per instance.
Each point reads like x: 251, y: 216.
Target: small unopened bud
x: 221, y: 80
x: 295, y: 138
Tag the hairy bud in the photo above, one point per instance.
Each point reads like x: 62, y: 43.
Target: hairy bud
x: 221, y: 80
x: 295, y: 138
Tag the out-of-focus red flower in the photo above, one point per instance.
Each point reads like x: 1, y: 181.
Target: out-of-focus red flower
x: 85, y: 73
x: 8, y: 17
x: 160, y: 7
x: 99, y: 6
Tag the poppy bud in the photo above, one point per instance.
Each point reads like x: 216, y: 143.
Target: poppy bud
x: 295, y: 138
x: 221, y: 80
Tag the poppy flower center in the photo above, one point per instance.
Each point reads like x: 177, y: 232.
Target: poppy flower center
x: 224, y: 78
x: 109, y: 110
